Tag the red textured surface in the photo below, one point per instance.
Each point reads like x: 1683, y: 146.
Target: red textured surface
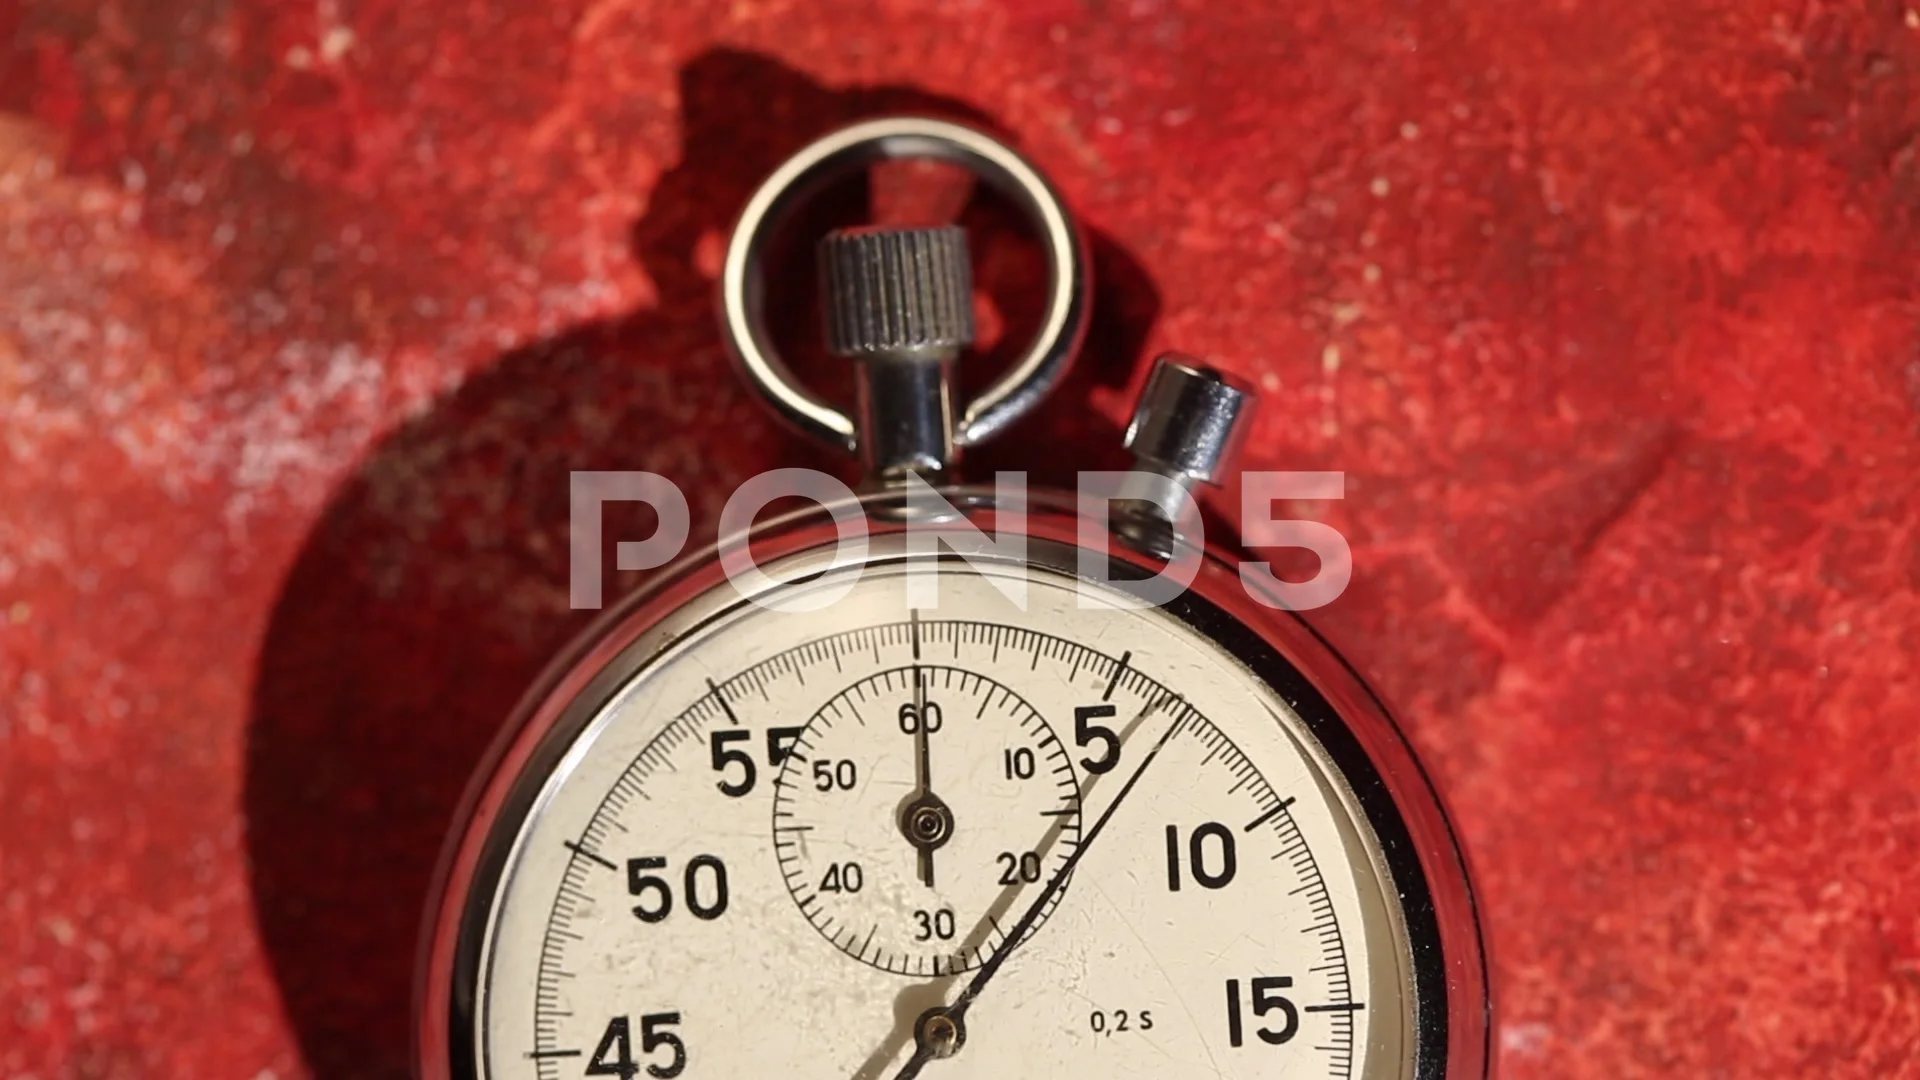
x: 1607, y: 309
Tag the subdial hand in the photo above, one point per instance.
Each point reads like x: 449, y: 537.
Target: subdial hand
x: 941, y: 1031
x: 925, y: 819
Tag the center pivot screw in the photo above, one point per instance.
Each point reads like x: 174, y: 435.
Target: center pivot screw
x: 940, y: 1033
x: 929, y: 824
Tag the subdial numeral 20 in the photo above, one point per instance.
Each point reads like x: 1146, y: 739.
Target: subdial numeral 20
x: 1021, y: 869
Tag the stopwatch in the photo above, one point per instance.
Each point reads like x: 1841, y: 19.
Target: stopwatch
x: 941, y: 780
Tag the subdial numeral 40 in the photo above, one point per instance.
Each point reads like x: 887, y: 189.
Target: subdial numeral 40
x: 843, y: 877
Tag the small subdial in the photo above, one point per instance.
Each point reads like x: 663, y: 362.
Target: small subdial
x: 917, y: 810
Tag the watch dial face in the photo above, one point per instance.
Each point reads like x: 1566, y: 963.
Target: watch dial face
x: 791, y: 835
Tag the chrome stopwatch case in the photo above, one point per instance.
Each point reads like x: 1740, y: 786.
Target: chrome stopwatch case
x: 942, y: 781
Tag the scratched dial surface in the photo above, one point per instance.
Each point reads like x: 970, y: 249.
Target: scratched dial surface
x: 1013, y: 807
x: 722, y: 878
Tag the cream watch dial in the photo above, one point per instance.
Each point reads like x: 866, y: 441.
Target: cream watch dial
x: 791, y: 834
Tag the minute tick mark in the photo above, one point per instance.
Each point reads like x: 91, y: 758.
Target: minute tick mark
x: 575, y: 847
x: 722, y: 699
x: 1270, y: 814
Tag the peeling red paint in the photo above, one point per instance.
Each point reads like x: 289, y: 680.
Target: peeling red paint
x: 1607, y: 311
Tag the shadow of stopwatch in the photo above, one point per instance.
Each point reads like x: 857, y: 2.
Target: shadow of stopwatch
x: 433, y: 588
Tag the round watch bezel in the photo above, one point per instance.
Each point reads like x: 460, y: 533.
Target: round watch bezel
x: 1414, y: 839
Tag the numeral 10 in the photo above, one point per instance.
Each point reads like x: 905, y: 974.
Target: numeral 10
x: 1210, y: 871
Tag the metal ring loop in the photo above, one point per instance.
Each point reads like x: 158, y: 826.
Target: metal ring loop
x: 743, y: 288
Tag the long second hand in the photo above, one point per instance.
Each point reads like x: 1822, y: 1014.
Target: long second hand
x: 923, y: 762
x: 955, y: 1014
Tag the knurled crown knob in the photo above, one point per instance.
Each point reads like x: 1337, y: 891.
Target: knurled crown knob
x: 1190, y: 420
x: 897, y: 291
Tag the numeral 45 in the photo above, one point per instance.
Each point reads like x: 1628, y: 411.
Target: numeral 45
x: 614, y: 1055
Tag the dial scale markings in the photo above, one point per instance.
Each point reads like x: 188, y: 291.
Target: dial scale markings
x: 845, y: 688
